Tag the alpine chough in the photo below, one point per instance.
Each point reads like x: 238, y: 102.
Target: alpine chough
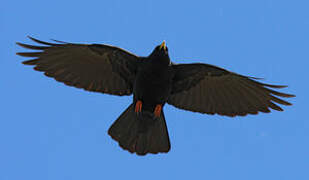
x: 153, y: 81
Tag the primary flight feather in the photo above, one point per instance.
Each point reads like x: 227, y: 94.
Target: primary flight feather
x: 153, y: 81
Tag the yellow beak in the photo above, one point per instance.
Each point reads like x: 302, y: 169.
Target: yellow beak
x: 163, y: 45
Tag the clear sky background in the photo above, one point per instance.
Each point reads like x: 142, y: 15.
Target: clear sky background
x: 54, y: 132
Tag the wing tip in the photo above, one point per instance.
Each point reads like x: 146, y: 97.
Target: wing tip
x: 62, y: 42
x: 32, y: 38
x: 42, y: 42
x: 19, y: 44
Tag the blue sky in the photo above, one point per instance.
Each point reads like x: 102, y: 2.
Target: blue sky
x: 51, y: 131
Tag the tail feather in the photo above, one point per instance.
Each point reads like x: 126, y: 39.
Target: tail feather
x: 142, y: 133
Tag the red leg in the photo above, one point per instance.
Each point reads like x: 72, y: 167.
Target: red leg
x: 157, y: 111
x: 138, y: 106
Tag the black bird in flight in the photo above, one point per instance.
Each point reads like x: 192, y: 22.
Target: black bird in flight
x: 153, y: 81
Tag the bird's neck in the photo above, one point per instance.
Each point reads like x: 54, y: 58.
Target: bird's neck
x: 160, y: 61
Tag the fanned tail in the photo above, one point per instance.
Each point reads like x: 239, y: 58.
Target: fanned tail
x: 140, y: 133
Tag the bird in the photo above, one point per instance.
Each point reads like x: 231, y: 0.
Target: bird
x: 154, y: 81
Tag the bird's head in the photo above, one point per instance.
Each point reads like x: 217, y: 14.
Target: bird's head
x: 162, y: 47
x: 160, y: 53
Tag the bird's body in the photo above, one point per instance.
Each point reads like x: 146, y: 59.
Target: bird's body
x: 153, y: 86
x: 153, y: 81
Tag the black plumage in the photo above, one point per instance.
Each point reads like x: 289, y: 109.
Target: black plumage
x: 153, y: 81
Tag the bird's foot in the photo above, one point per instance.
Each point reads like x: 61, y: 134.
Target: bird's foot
x: 157, y: 111
x: 138, y: 106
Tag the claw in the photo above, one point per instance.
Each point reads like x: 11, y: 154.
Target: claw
x: 138, y: 106
x: 157, y: 111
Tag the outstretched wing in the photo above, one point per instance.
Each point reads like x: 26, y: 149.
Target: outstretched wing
x: 209, y: 89
x: 93, y: 67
